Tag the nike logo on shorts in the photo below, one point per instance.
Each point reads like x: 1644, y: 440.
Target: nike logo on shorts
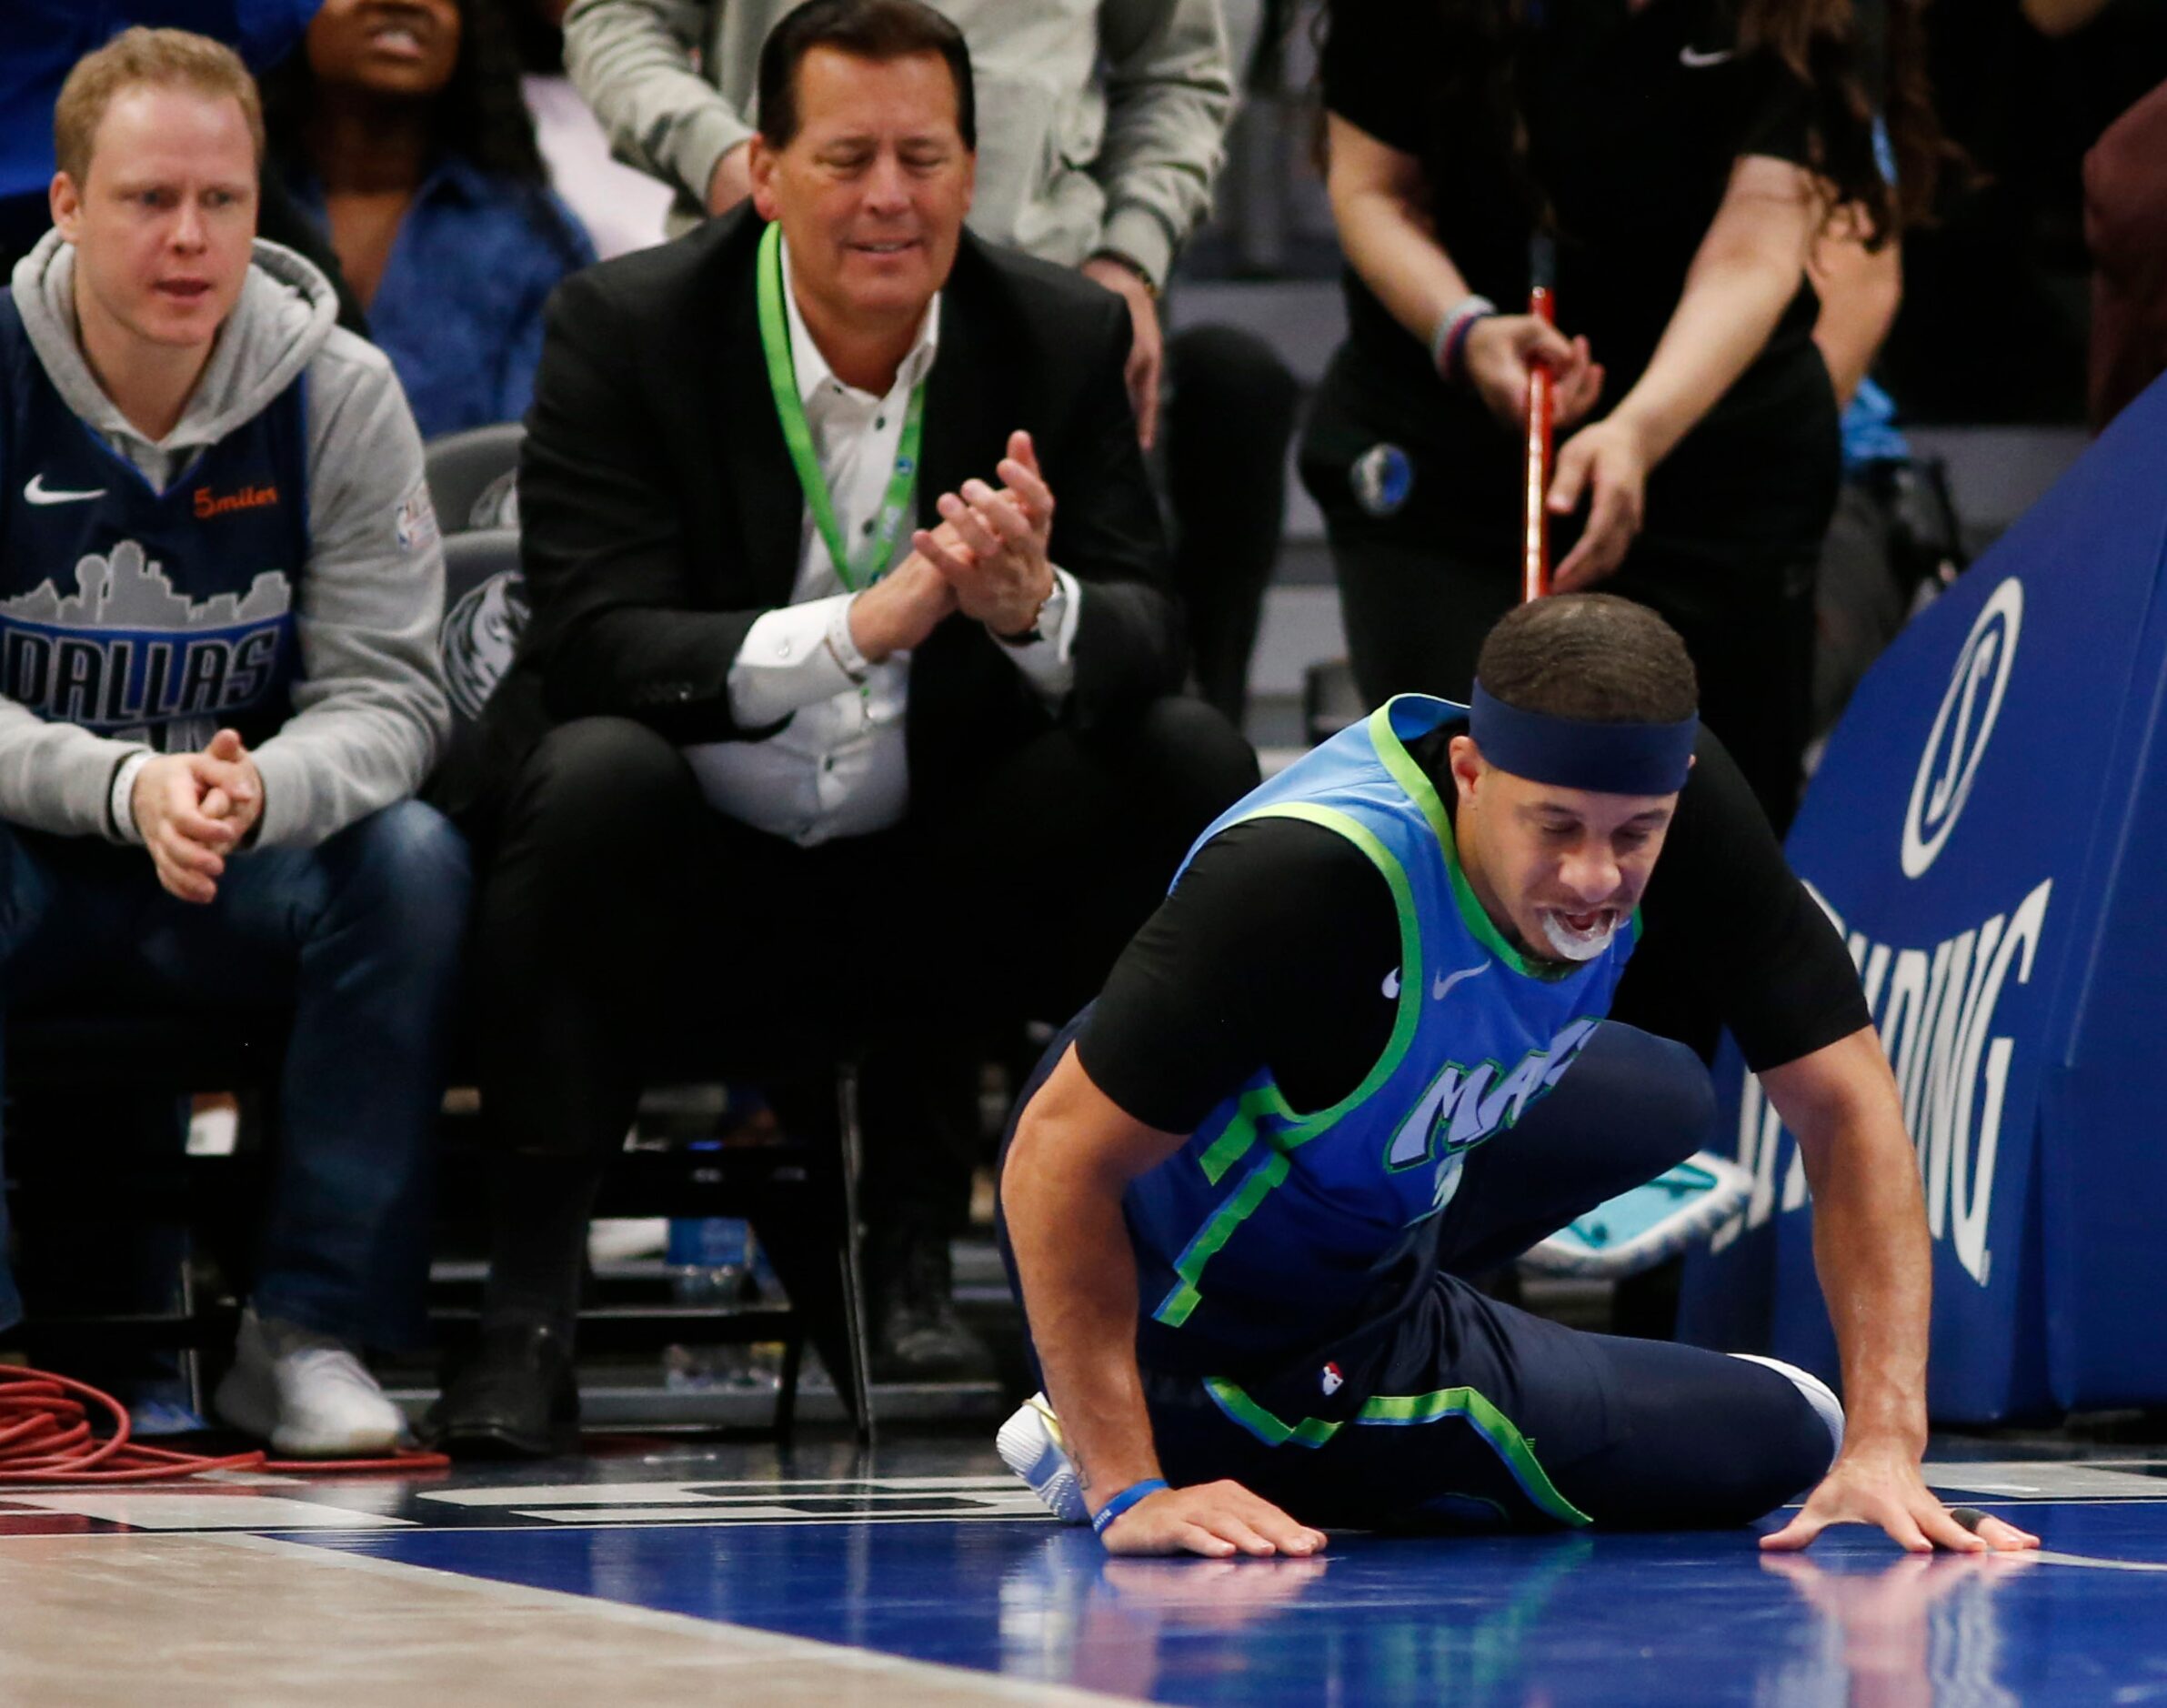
x: 37, y: 492
x: 1695, y: 58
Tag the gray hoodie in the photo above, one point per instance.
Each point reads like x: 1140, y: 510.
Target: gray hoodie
x: 369, y: 709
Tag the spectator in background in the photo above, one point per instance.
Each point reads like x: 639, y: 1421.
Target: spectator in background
x: 622, y: 208
x: 1859, y: 601
x: 45, y: 38
x: 1894, y: 527
x: 400, y: 125
x: 219, y: 591
x: 2025, y: 88
x: 774, y: 757
x: 2125, y: 224
x: 2125, y: 189
x: 1102, y: 128
x: 1665, y: 150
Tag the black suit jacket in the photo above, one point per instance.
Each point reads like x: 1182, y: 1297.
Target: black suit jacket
x: 660, y: 514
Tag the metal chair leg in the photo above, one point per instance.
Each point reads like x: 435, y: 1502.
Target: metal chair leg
x: 855, y: 1384
x: 785, y: 1392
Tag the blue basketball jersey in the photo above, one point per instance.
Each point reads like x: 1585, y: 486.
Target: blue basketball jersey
x: 1271, y: 1223
x: 147, y: 615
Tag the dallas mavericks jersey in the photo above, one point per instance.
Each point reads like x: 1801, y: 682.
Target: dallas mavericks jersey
x: 1273, y: 1226
x: 155, y: 616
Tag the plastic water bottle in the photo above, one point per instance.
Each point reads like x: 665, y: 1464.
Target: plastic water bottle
x: 708, y: 1259
x: 711, y: 1263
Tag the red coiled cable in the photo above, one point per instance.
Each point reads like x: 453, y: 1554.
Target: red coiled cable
x: 46, y: 1436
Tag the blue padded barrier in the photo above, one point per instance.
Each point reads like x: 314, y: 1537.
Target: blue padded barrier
x: 1989, y: 829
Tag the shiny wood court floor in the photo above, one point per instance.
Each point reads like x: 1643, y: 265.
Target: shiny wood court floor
x: 661, y: 1574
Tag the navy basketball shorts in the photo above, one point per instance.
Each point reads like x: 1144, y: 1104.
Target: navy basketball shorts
x: 1482, y: 1416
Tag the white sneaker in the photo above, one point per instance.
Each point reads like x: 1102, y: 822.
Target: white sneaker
x: 307, y: 1393
x: 1030, y: 1445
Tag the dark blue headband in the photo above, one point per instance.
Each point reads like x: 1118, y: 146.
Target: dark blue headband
x: 1611, y: 758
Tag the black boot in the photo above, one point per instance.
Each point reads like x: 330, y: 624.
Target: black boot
x: 916, y: 1335
x: 516, y: 1398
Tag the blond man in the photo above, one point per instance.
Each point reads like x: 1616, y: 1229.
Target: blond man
x: 219, y: 585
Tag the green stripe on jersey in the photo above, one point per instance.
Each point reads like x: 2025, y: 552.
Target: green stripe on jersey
x: 1267, y: 1103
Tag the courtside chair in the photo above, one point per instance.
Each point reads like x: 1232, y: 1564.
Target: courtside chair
x: 75, y: 1070
x: 801, y: 1197
x: 474, y: 478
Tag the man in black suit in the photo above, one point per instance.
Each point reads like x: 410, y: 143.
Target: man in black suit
x: 770, y: 749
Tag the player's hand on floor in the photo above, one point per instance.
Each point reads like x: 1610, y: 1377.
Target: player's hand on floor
x: 1214, y: 1519
x: 1882, y: 1486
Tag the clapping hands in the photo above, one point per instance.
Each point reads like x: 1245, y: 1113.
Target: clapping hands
x: 1001, y: 575
x: 987, y: 559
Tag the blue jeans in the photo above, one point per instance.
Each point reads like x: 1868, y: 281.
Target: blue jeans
x: 362, y: 938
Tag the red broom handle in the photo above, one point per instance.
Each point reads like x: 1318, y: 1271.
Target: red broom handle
x: 1535, y: 563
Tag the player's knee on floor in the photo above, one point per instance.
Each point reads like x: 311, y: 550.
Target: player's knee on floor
x: 1704, y: 1441
x: 1816, y: 1393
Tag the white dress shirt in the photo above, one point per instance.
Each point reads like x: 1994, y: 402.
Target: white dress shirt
x: 838, y: 768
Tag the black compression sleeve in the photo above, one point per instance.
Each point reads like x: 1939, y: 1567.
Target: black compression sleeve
x: 1274, y: 951
x: 1732, y: 937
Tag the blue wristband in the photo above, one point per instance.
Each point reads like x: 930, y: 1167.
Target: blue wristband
x: 1122, y: 1501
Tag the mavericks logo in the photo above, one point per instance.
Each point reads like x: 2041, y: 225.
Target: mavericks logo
x: 1962, y: 727
x: 479, y: 638
x: 1381, y: 478
x: 1464, y: 1106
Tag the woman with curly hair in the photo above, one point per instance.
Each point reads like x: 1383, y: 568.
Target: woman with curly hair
x: 1678, y: 158
x: 400, y: 124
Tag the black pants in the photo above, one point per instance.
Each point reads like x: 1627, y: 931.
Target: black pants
x: 625, y: 927
x: 1416, y: 618
x: 1227, y: 420
x: 1457, y: 1410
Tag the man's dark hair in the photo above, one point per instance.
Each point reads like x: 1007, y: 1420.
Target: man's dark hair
x: 1593, y: 658
x: 879, y: 30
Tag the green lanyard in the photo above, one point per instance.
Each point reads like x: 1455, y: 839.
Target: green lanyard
x: 782, y: 376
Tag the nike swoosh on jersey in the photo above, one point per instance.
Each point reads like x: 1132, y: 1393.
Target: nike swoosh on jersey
x: 37, y: 491
x: 1694, y: 57
x: 1391, y: 985
x: 1445, y: 982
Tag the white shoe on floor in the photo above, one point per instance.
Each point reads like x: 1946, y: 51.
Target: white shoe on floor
x: 1030, y: 1445
x: 307, y: 1393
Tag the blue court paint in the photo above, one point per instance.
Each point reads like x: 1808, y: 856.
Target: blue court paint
x: 1566, y: 1619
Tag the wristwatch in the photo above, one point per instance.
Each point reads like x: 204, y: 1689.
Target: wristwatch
x: 1036, y: 630
x: 1133, y: 264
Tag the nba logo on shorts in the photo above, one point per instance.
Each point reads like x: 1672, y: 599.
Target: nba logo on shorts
x: 1332, y: 1381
